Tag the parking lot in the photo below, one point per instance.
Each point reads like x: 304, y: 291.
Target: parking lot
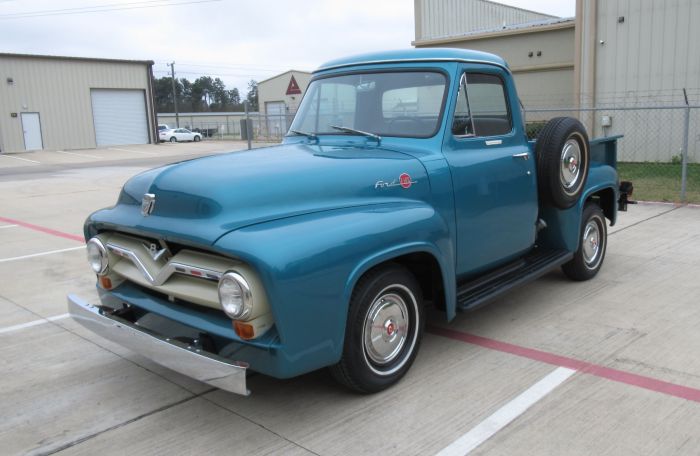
x: 606, y: 367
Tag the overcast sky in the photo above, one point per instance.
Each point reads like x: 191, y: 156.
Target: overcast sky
x: 237, y: 40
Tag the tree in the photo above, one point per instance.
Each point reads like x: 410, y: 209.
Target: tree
x: 164, y: 94
x: 235, y: 99
x: 203, y: 95
x: 252, y: 96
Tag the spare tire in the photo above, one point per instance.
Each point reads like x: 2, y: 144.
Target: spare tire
x: 563, y: 158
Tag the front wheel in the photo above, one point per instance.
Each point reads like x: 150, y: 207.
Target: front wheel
x: 197, y: 138
x: 384, y: 329
x: 594, y: 239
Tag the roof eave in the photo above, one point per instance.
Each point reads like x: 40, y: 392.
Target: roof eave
x: 495, y: 34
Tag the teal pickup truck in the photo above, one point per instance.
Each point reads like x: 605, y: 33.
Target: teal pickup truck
x: 406, y: 180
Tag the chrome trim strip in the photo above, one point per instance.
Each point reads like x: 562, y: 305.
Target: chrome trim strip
x: 203, y: 366
x: 166, y: 271
x: 420, y: 60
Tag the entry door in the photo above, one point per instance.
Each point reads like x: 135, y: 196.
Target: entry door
x: 493, y: 174
x: 31, y: 127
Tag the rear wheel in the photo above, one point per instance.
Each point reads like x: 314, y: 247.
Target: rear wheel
x: 173, y: 139
x: 384, y: 329
x: 588, y: 259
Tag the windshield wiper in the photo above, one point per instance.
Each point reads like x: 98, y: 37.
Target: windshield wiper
x: 303, y: 133
x: 357, y: 132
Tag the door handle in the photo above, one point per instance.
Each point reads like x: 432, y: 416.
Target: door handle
x: 524, y: 155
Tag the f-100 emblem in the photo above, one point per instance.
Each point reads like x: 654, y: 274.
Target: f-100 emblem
x: 148, y: 202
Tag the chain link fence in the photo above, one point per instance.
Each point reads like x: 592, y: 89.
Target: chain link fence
x: 264, y: 128
x: 660, y: 150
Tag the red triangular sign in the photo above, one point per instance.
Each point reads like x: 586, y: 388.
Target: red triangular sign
x: 293, y: 87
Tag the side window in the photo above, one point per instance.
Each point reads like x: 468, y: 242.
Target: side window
x: 487, y: 100
x: 482, y: 108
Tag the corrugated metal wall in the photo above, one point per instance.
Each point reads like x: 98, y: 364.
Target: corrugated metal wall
x: 650, y: 56
x: 447, y: 18
x: 59, y: 90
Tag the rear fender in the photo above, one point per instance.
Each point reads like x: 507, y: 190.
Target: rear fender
x: 564, y: 226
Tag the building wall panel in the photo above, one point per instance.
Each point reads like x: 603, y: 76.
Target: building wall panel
x: 546, y: 80
x: 652, y: 55
x: 437, y: 19
x: 59, y: 89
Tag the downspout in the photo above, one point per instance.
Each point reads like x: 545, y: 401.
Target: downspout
x: 154, y: 120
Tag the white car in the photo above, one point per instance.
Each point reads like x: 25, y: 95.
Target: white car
x: 179, y: 134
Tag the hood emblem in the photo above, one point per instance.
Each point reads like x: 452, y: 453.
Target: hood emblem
x: 404, y: 181
x: 153, y: 250
x: 148, y: 202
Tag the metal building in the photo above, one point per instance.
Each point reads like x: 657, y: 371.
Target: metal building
x: 614, y: 48
x: 439, y: 19
x: 279, y: 98
x: 538, y: 47
x: 51, y: 102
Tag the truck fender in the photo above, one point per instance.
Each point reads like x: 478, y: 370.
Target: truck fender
x: 310, y: 263
x: 564, y: 226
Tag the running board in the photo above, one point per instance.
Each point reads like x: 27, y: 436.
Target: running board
x: 478, y: 291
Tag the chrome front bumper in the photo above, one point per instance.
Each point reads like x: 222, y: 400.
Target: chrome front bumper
x: 203, y: 366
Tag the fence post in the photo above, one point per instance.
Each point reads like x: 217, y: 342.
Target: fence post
x: 247, y: 123
x: 684, y: 153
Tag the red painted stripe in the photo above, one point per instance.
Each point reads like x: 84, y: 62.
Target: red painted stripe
x: 627, y: 378
x: 43, y: 229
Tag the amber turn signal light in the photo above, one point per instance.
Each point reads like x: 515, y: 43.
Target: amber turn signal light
x: 105, y: 283
x: 244, y: 330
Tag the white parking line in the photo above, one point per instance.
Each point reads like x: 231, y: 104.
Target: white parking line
x: 501, y: 417
x: 76, y: 154
x: 19, y: 158
x: 33, y: 323
x: 50, y: 252
x: 7, y: 226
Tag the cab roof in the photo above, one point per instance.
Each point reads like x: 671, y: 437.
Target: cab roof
x: 416, y: 55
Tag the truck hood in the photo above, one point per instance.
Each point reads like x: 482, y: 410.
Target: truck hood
x: 201, y: 200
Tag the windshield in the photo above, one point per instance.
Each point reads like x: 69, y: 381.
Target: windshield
x: 386, y: 104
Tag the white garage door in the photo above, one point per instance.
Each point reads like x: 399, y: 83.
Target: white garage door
x: 119, y: 116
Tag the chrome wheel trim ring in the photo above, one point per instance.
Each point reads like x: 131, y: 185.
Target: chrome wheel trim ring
x: 388, y: 332
x: 570, y: 166
x: 593, y: 244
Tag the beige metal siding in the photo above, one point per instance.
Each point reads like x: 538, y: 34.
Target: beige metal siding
x: 275, y: 89
x: 59, y: 89
x: 653, y: 54
x: 437, y: 19
x: 545, y: 80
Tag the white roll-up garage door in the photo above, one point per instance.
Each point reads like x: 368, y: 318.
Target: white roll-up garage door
x: 119, y: 116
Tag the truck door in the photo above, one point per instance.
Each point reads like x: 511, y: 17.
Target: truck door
x: 493, y: 173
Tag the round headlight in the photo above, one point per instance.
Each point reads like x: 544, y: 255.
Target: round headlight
x: 234, y: 295
x: 97, y: 256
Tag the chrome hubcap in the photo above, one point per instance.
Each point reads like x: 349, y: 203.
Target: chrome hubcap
x: 570, y: 164
x: 386, y: 328
x: 591, y: 243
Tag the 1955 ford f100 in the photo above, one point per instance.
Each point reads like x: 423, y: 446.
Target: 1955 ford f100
x: 406, y: 180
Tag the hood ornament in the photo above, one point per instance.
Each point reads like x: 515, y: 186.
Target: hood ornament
x: 148, y: 202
